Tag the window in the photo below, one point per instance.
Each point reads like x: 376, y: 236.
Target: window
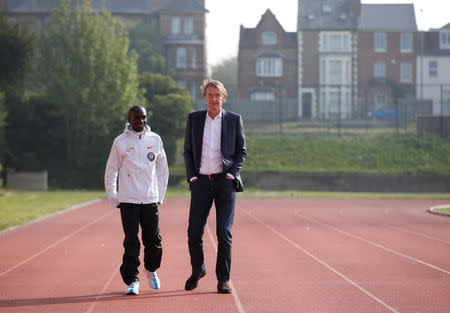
x: 405, y: 72
x: 335, y: 41
x: 445, y: 39
x: 262, y: 96
x: 194, y: 87
x: 269, y: 38
x: 335, y: 70
x: 176, y: 26
x: 181, y: 58
x: 433, y: 68
x: 379, y: 70
x: 326, y: 8
x: 380, y: 100
x: 406, y: 42
x: 269, y: 67
x: 380, y: 42
x: 194, y: 58
x: 333, y: 101
x: 181, y: 83
x: 188, y: 26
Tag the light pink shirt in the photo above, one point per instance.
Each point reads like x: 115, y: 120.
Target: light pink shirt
x: 211, y: 160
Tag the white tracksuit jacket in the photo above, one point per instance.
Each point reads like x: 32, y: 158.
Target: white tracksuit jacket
x: 140, y: 162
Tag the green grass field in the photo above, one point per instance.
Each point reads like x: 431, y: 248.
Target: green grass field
x: 20, y: 207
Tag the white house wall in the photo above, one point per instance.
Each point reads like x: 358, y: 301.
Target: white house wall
x: 429, y: 87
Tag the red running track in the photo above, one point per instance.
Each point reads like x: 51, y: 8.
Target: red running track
x: 337, y: 256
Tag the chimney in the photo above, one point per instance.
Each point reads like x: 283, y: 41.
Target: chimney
x: 356, y: 7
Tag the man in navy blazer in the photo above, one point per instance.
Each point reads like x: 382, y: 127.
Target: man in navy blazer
x: 214, y: 153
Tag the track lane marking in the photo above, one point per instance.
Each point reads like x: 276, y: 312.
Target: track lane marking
x: 91, y: 307
x: 418, y: 234
x: 353, y: 283
x: 55, y: 244
x: 373, y: 244
x: 234, y: 292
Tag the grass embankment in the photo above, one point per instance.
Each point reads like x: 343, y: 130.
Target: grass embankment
x: 382, y: 154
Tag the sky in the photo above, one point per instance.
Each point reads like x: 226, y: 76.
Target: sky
x: 225, y: 18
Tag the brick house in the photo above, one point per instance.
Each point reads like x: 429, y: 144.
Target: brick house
x: 267, y: 61
x: 327, y: 58
x: 181, y: 24
x: 386, y: 54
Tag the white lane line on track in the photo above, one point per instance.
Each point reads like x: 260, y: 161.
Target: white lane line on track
x: 353, y: 283
x: 91, y: 307
x: 55, y: 244
x: 418, y: 234
x: 234, y: 293
x: 374, y: 244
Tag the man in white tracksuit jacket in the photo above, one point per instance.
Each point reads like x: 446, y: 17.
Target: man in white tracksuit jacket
x: 138, y: 158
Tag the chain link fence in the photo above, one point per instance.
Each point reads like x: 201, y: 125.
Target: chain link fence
x: 378, y: 108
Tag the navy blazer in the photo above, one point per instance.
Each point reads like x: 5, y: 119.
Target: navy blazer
x: 232, y: 145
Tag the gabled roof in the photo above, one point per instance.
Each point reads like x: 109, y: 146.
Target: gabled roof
x: 248, y: 36
x: 114, y: 6
x: 269, y: 15
x: 326, y: 15
x: 388, y: 17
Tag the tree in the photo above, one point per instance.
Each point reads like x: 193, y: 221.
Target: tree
x: 16, y: 47
x: 146, y: 41
x: 226, y: 72
x: 87, y: 71
x: 168, y: 105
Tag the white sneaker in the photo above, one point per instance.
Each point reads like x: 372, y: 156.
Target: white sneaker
x: 153, y: 280
x: 133, y: 289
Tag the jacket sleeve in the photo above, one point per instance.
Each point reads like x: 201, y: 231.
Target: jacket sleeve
x: 162, y: 172
x: 188, y: 150
x: 240, y: 148
x: 111, y: 172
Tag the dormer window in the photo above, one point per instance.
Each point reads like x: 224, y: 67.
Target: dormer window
x: 445, y: 39
x: 311, y: 16
x: 269, y: 38
x: 326, y: 8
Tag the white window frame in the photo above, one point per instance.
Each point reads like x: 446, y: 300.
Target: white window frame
x: 326, y: 66
x: 188, y: 27
x: 433, y: 68
x: 176, y: 25
x: 379, y: 70
x: 380, y: 42
x: 269, y: 38
x: 406, y: 72
x: 269, y: 67
x: 406, y: 42
x: 262, y: 96
x: 181, y: 58
x: 335, y: 42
